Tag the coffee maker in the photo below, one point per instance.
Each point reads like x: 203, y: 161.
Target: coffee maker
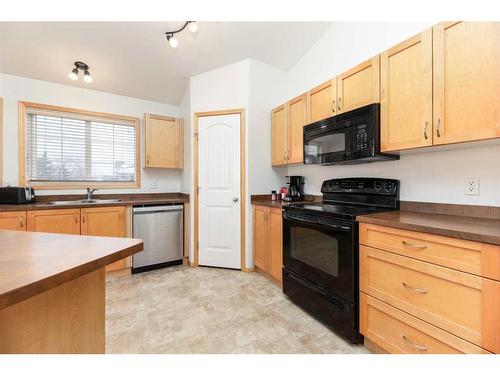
x: 295, y: 188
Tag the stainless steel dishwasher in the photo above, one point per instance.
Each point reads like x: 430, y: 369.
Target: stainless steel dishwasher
x: 161, y: 228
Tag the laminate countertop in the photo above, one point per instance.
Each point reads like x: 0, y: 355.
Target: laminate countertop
x: 265, y: 200
x: 43, y: 202
x: 32, y: 263
x: 485, y: 230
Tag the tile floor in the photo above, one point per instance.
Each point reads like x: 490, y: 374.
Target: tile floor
x: 209, y: 310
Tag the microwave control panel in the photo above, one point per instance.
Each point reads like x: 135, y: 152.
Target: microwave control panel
x: 361, y: 138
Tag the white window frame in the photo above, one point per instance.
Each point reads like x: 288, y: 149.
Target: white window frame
x: 24, y: 106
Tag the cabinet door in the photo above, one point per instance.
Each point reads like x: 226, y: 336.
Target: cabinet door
x: 359, y: 86
x: 275, y: 244
x: 297, y: 113
x: 15, y: 220
x: 163, y: 142
x: 64, y: 221
x: 321, y: 102
x: 406, y: 94
x: 106, y: 222
x: 260, y: 234
x: 279, y: 135
x: 466, y: 81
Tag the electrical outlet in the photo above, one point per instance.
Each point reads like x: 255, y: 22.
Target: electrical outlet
x: 153, y: 184
x: 471, y: 186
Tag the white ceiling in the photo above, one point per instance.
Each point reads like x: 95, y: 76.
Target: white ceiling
x: 134, y: 59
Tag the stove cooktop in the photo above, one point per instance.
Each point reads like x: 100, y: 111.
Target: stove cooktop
x: 336, y: 210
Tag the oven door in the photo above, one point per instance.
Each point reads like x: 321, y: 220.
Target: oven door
x: 325, y: 144
x: 321, y: 250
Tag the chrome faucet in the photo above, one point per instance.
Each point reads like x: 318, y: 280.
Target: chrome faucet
x: 90, y: 192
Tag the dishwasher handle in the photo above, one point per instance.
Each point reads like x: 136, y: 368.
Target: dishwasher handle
x: 152, y: 209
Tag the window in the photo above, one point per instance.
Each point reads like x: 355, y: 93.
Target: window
x: 71, y: 148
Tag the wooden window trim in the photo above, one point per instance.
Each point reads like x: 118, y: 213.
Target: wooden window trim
x: 136, y: 122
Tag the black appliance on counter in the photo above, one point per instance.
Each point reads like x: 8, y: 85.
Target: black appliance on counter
x: 320, y: 249
x: 16, y: 195
x: 295, y: 188
x: 349, y: 138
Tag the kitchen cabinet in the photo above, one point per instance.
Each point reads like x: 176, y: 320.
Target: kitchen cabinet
x: 287, y: 131
x: 268, y: 241
x: 466, y: 72
x: 359, y: 86
x: 297, y: 118
x: 106, y: 222
x: 406, y: 94
x: 416, y: 297
x: 279, y: 135
x: 15, y: 220
x: 321, y: 101
x: 63, y: 221
x: 163, y: 142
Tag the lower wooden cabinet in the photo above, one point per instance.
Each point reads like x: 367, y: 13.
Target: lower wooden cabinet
x: 106, y: 222
x: 63, y: 221
x: 92, y: 221
x: 15, y: 220
x: 407, y: 292
x: 399, y: 332
x: 268, y: 241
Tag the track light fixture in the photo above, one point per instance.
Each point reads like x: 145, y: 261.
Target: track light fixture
x: 86, y: 74
x: 193, y: 27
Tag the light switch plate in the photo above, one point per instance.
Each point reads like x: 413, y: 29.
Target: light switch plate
x: 471, y: 186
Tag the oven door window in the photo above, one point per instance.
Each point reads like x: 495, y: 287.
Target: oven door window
x: 316, y: 249
x: 321, y: 254
x: 325, y: 148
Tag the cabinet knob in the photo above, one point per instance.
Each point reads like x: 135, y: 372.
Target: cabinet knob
x: 438, y: 126
x: 83, y: 218
x: 147, y: 160
x: 76, y: 218
x: 340, y: 104
x: 21, y: 220
x: 425, y: 129
x: 333, y: 105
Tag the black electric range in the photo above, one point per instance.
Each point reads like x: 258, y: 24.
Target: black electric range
x: 320, y: 249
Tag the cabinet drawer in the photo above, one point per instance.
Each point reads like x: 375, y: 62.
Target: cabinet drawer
x: 462, y: 304
x: 468, y: 256
x: 398, y: 332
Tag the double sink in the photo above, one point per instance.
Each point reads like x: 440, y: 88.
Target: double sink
x: 84, y: 201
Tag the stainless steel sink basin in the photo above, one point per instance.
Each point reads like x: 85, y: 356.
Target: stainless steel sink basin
x: 84, y: 201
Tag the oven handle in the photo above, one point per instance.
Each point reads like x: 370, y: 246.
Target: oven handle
x: 343, y: 228
x: 315, y: 289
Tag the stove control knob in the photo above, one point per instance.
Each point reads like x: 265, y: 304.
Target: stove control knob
x: 388, y: 186
x: 378, y: 185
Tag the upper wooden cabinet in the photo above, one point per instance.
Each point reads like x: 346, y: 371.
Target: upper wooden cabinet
x: 406, y: 94
x: 297, y: 118
x: 466, y: 60
x: 63, y: 221
x: 321, y: 101
x: 279, y: 135
x: 359, y: 86
x: 163, y: 142
x: 15, y: 220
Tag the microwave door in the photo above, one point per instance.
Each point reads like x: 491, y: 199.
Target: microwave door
x: 326, y: 147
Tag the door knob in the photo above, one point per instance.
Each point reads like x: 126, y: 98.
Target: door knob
x: 235, y: 199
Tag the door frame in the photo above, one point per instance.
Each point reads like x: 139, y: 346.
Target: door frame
x: 197, y: 115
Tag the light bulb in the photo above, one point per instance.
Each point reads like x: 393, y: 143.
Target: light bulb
x: 87, y: 77
x: 73, y: 75
x: 193, y: 26
x: 172, y: 41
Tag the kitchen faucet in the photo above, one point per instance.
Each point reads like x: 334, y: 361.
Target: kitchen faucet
x: 90, y: 192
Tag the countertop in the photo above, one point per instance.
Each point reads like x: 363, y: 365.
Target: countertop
x: 32, y: 263
x: 43, y: 201
x: 265, y: 200
x: 485, y: 230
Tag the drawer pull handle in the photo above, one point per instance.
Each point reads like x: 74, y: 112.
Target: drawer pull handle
x: 420, y: 348
x: 415, y: 245
x: 418, y: 290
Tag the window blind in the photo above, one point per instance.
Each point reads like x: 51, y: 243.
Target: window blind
x: 66, y: 147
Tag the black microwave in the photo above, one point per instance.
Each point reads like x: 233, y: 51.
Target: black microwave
x: 349, y: 138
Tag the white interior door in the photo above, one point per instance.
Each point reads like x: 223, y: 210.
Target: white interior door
x: 219, y: 194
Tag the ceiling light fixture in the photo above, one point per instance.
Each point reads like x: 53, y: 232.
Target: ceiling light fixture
x: 193, y: 27
x: 86, y: 74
